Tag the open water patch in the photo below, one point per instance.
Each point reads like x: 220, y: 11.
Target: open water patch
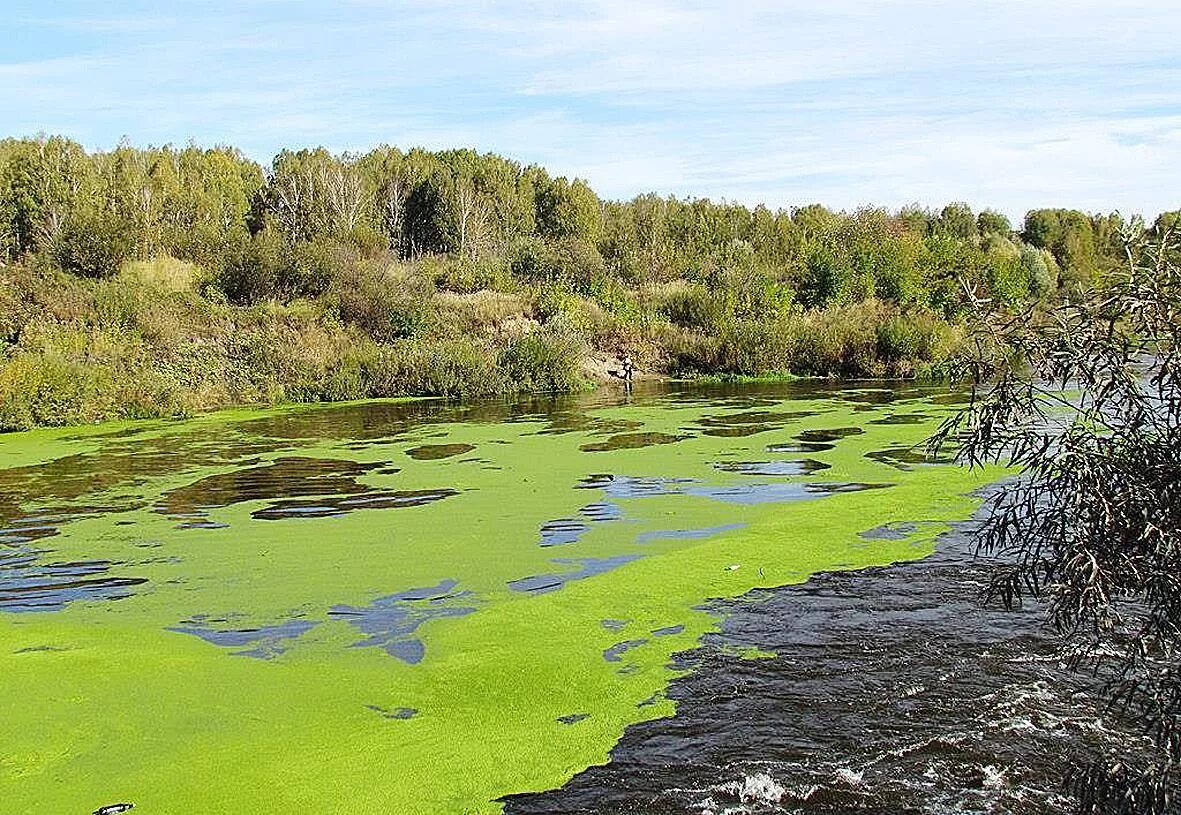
x: 615, y: 652
x: 31, y: 581
x: 829, y: 435
x: 749, y: 423
x: 780, y: 467
x: 632, y: 441
x: 627, y: 486
x: 298, y: 487
x: 907, y: 458
x: 564, y: 531
x: 391, y: 622
x: 587, y: 567
x: 435, y: 452
x: 894, y: 531
x: 687, y: 534
x: 887, y: 691
x: 335, y: 506
x: 257, y: 642
x: 29, y: 584
x: 779, y: 492
x: 901, y: 419
x: 394, y: 712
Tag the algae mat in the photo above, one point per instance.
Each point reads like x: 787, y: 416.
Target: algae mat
x: 413, y: 607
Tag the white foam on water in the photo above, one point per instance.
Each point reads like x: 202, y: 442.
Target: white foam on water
x: 994, y: 779
x: 850, y: 778
x: 759, y: 788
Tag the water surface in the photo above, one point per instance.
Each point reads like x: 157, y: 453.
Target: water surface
x: 415, y: 606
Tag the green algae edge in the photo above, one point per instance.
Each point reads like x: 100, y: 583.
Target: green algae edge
x: 115, y: 707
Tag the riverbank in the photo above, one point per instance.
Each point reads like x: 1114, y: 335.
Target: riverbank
x: 157, y: 341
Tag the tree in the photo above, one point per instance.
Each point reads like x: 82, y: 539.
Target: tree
x: 1085, y: 399
x: 957, y: 221
x: 42, y: 180
x: 94, y: 244
x: 1070, y: 236
x: 989, y: 222
x: 566, y: 209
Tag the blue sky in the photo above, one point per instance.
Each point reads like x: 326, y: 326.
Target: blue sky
x: 1010, y: 104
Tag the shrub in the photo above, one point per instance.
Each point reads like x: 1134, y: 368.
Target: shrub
x: 692, y: 306
x: 94, y: 245
x: 385, y: 303
x: 545, y: 360
x: 435, y: 367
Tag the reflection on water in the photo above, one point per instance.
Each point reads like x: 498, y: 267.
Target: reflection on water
x: 631, y: 441
x: 780, y: 491
x: 335, y: 506
x: 799, y: 466
x: 907, y: 458
x: 563, y: 531
x: 587, y: 567
x: 748, y: 423
x: 263, y: 642
x: 687, y: 534
x: 36, y: 500
x: 28, y: 584
x: 434, y: 452
x: 31, y: 581
x: 332, y: 481
x: 390, y: 622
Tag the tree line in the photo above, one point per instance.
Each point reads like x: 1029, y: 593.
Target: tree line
x: 131, y: 279
x: 260, y: 228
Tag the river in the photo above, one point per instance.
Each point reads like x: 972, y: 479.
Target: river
x: 665, y: 601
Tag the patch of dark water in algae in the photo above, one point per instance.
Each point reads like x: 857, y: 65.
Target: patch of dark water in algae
x: 748, y: 423
x: 330, y: 485
x: 30, y: 580
x: 434, y: 452
x: 907, y: 458
x: 27, y: 584
x: 889, y: 690
x: 631, y: 441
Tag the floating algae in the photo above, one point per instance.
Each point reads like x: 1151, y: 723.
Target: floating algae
x: 338, y: 609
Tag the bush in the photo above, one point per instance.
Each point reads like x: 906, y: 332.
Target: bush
x: 94, y: 245
x: 385, y: 303
x: 269, y: 268
x: 545, y: 360
x: 453, y: 368
x: 692, y: 306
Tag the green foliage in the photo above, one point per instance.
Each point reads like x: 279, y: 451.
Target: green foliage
x: 331, y: 276
x: 566, y: 209
x: 1070, y: 237
x: 957, y: 221
x: 381, y: 302
x: 989, y: 222
x: 91, y: 245
x: 545, y: 360
x: 828, y: 276
x: 1092, y: 527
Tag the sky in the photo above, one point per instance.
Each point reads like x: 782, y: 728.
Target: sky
x: 1007, y: 104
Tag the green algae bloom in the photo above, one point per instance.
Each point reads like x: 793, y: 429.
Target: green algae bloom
x: 414, y: 606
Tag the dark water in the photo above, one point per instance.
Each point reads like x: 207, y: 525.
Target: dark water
x: 890, y: 690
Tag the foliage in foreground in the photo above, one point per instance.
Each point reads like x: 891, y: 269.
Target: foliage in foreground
x: 1086, y: 399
